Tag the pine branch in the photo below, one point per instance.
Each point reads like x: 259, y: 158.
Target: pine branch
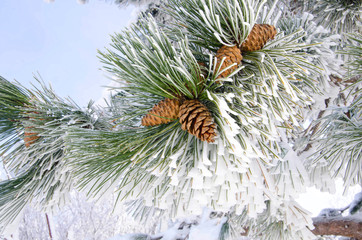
x: 320, y: 40
x: 152, y: 64
x: 36, y: 183
x: 293, y: 69
x: 348, y: 226
x: 216, y: 23
x: 340, y: 146
x: 250, y: 108
x: 40, y: 165
x: 12, y: 99
x: 339, y: 133
x: 107, y: 159
x: 353, y: 51
x: 164, y: 166
x: 339, y: 16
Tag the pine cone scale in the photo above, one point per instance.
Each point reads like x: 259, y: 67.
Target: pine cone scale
x: 189, y: 125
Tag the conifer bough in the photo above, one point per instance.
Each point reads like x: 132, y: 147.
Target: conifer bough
x: 194, y: 116
x: 163, y: 167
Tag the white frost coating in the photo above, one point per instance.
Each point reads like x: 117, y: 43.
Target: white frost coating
x: 208, y: 228
x: 123, y: 237
x: 174, y: 233
x: 197, y: 179
x: 174, y: 179
x: 175, y: 156
x: 220, y: 146
x: 294, y: 217
x: 291, y: 175
x: 230, y: 128
x: 356, y: 203
x: 204, y: 170
x: 205, y: 151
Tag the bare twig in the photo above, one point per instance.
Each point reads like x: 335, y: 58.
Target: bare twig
x: 353, y: 79
x: 48, y: 223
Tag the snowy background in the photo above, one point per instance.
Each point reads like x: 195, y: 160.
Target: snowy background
x: 98, y: 220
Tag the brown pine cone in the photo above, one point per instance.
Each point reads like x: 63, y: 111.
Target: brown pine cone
x: 197, y: 120
x: 29, y: 137
x: 164, y: 112
x: 232, y: 55
x: 257, y: 38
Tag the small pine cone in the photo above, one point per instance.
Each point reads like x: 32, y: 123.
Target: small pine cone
x: 197, y: 120
x: 232, y: 55
x: 259, y: 35
x: 164, y: 112
x: 30, y: 137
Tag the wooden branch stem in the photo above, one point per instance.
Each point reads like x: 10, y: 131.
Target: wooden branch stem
x: 349, y: 226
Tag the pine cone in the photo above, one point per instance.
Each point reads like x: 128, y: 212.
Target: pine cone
x: 30, y: 137
x: 232, y: 55
x: 196, y: 119
x: 259, y: 35
x: 164, y: 112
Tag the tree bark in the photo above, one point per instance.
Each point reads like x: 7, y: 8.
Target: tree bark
x: 349, y: 226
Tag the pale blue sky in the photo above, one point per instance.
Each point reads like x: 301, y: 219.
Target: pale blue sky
x: 60, y: 41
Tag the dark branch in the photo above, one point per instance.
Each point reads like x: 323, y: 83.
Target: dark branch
x: 349, y: 226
